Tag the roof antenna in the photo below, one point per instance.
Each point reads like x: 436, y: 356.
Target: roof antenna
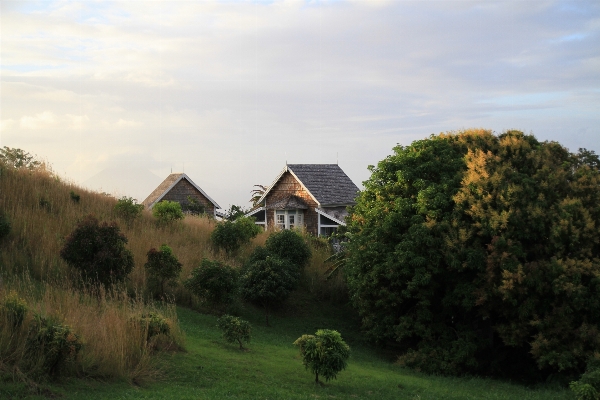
x: 337, y: 158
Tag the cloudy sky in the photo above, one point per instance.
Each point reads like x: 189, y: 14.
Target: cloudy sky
x: 115, y: 95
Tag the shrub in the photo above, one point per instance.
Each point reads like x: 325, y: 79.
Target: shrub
x: 17, y: 158
x: 289, y: 245
x: 155, y: 324
x: 162, y: 268
x: 258, y: 254
x: 193, y: 206
x: 480, y: 253
x: 55, y: 345
x: 268, y: 282
x: 230, y: 236
x: 74, y: 196
x: 324, y: 353
x: 15, y: 309
x: 98, y: 252
x: 5, y: 225
x: 167, y: 212
x: 128, y: 209
x: 234, y: 329
x: 588, y: 386
x: 214, y: 282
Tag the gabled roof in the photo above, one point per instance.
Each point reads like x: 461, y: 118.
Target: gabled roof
x: 326, y: 183
x: 289, y: 203
x: 168, y: 184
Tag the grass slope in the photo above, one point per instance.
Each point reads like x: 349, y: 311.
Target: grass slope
x: 272, y: 369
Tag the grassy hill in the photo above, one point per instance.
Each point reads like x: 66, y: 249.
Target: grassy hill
x: 116, y: 358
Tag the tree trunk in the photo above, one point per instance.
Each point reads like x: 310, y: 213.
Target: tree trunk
x: 240, y: 342
x: 316, y: 377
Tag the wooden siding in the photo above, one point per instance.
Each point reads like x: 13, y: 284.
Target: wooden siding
x: 182, y: 190
x: 288, y: 186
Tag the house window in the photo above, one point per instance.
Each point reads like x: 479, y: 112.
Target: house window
x: 289, y: 219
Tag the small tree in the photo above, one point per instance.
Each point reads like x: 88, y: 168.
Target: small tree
x: 17, y: 158
x: 213, y: 282
x: 289, y: 245
x: 162, y: 268
x: 98, y: 252
x: 230, y: 236
x: 324, y: 353
x: 193, y: 206
x: 234, y: 329
x: 268, y: 282
x: 167, y: 212
x: 235, y: 212
x: 128, y: 209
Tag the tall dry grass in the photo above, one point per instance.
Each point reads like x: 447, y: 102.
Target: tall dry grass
x: 108, y: 323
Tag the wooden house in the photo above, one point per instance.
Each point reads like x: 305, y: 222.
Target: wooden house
x: 180, y: 188
x: 311, y: 196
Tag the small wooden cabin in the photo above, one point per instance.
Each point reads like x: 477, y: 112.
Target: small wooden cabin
x: 180, y: 188
x: 312, y: 196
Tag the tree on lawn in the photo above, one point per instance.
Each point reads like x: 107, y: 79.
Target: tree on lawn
x: 324, y: 353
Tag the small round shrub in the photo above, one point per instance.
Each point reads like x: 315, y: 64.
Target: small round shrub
x: 128, y: 210
x: 162, y: 268
x: 98, y: 252
x: 214, y: 282
x: 155, y: 324
x: 55, y: 343
x: 289, y: 245
x: 167, y: 212
x: 324, y: 353
x: 234, y: 329
x: 258, y: 254
x: 15, y: 309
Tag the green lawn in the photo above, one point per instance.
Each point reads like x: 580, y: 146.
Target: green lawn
x: 272, y: 369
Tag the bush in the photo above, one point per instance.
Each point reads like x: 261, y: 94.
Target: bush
x: 234, y: 329
x: 54, y: 345
x: 268, y: 282
x: 128, y: 209
x: 324, y: 353
x: 193, y: 206
x: 214, y: 282
x: 167, y: 212
x: 480, y: 254
x: 230, y: 236
x: 75, y: 197
x: 588, y: 386
x: 15, y: 309
x: 155, y: 324
x: 98, y: 252
x: 5, y: 225
x: 162, y: 268
x: 289, y: 245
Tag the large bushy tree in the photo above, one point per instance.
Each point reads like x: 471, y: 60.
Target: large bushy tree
x: 476, y: 252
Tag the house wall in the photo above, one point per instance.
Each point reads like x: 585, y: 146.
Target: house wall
x: 285, y: 187
x: 182, y: 190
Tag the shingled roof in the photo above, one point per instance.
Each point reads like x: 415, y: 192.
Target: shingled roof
x: 327, y: 183
x: 166, y: 185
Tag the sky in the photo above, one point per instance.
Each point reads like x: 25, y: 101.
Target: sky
x: 116, y: 95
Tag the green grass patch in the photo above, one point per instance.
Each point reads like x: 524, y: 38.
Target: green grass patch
x: 271, y: 368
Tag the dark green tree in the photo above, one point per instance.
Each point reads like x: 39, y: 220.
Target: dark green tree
x: 128, y: 209
x: 289, y: 245
x: 214, y: 282
x: 162, y: 268
x: 98, y: 251
x: 268, y: 282
x: 167, y: 212
x: 324, y: 353
x: 477, y: 253
x: 230, y: 236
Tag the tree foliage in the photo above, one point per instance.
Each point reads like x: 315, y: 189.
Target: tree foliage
x: 230, y: 236
x: 162, y: 268
x: 289, y: 245
x: 128, y: 209
x: 324, y: 353
x: 476, y: 252
x: 268, y: 282
x: 193, y: 206
x: 98, y: 251
x: 17, y: 158
x: 235, y: 329
x: 214, y: 282
x: 167, y: 212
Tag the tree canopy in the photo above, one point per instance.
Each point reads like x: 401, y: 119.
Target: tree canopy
x: 474, y: 251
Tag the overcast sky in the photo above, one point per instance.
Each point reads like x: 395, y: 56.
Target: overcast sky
x: 108, y: 92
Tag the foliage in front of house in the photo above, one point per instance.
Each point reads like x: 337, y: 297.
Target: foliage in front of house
x: 162, y: 269
x: 480, y: 253
x: 128, y: 209
x: 167, y: 212
x: 231, y: 235
x: 288, y: 244
x: 214, y: 282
